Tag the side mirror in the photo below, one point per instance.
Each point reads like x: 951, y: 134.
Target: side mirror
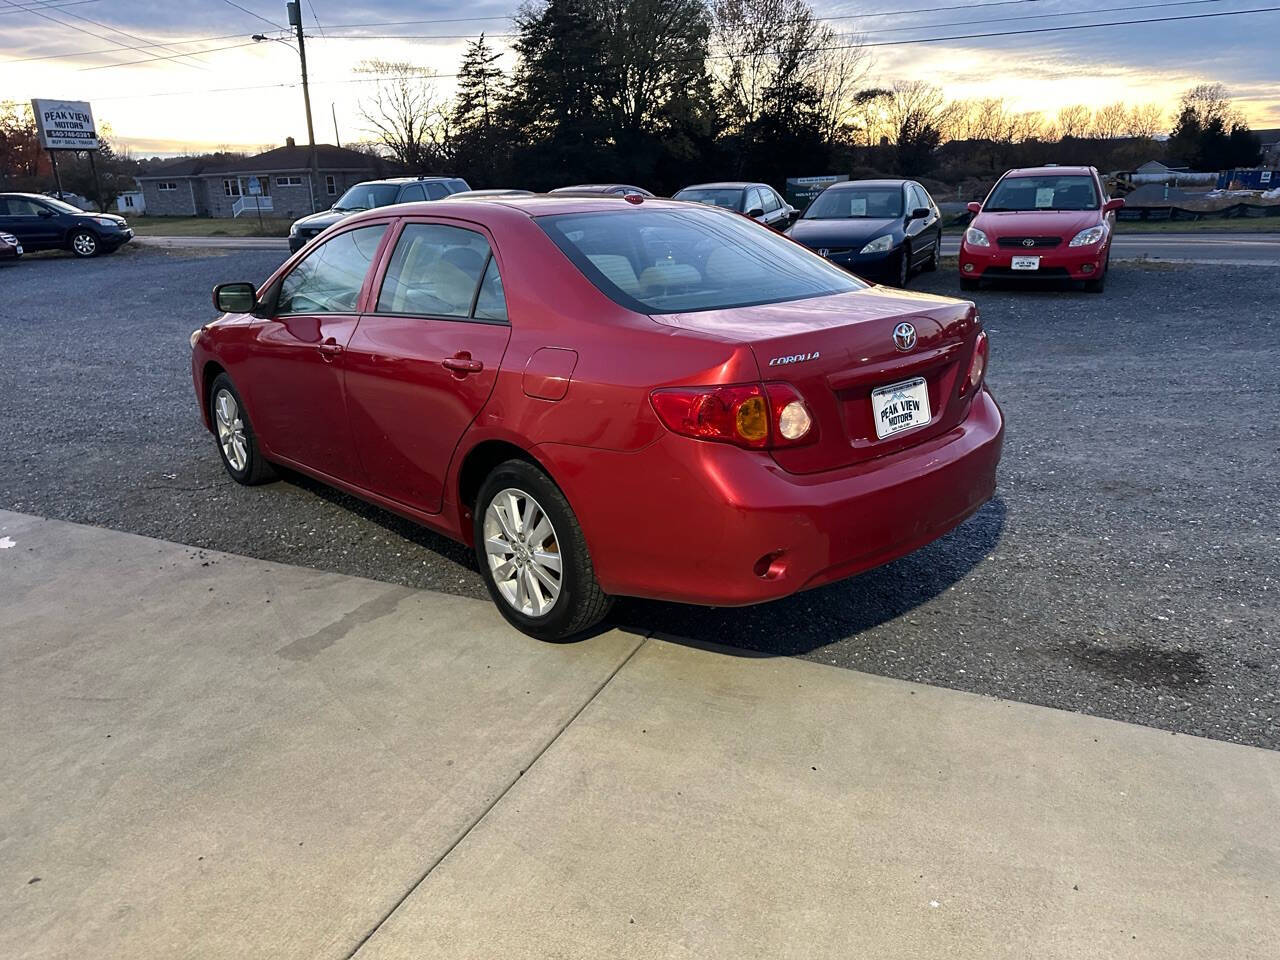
x: 1113, y: 205
x: 46, y: 214
x: 235, y: 297
x: 975, y: 207
x: 919, y: 213
x: 755, y: 213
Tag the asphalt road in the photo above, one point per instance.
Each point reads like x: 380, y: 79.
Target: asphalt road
x: 1127, y: 568
x: 1208, y: 248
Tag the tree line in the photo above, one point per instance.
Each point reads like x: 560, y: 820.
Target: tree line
x: 663, y: 93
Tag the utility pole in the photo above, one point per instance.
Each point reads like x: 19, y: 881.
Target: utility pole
x: 295, y: 21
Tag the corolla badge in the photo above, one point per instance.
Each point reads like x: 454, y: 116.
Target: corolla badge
x: 794, y: 358
x: 904, y: 336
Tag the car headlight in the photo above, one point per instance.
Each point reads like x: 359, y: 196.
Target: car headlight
x: 105, y: 222
x: 879, y: 245
x: 195, y: 335
x: 976, y: 238
x: 293, y: 230
x: 1089, y: 236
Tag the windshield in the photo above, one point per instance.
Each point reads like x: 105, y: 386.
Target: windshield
x: 728, y: 197
x: 1042, y: 193
x: 366, y: 196
x: 846, y: 202
x: 678, y: 261
x: 61, y: 205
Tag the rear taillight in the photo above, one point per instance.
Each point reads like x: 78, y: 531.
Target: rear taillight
x: 977, y: 366
x: 755, y: 416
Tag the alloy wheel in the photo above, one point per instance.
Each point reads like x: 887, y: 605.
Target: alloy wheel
x: 230, y: 426
x: 84, y: 244
x: 523, y: 552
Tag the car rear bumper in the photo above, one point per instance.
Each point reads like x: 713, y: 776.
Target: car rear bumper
x: 1062, y: 262
x: 712, y: 524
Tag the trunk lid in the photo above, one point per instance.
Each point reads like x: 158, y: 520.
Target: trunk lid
x: 836, y: 350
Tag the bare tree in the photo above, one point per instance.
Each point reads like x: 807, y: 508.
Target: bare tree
x: 842, y: 66
x: 1145, y: 120
x: 1110, y: 121
x: 406, y: 115
x: 1073, y: 121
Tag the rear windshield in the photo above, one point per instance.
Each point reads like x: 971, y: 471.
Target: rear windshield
x: 728, y: 197
x: 842, y: 203
x: 366, y: 196
x: 1042, y: 193
x: 680, y: 261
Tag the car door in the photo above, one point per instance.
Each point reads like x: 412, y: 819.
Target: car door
x: 922, y: 232
x: 295, y: 377
x: 754, y: 201
x: 425, y: 357
x: 31, y: 221
x: 775, y: 213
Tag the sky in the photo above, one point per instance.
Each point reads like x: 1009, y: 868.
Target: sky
x: 162, y: 95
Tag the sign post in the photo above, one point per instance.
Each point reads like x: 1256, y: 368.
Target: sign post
x: 67, y: 125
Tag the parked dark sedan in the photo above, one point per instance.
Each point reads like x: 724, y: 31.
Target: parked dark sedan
x: 10, y: 247
x: 43, y: 223
x: 759, y: 201
x: 885, y: 229
x: 370, y: 194
x: 604, y: 189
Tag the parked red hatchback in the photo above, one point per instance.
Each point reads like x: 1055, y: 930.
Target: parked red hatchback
x: 1041, y: 223
x: 608, y: 397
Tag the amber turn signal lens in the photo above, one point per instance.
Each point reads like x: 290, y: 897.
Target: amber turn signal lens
x: 753, y: 419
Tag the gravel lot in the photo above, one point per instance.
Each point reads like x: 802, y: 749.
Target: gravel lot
x: 1128, y: 567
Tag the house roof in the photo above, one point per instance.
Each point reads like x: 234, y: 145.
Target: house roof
x: 328, y: 156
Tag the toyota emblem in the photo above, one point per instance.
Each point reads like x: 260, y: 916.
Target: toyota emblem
x: 1028, y: 242
x: 904, y: 336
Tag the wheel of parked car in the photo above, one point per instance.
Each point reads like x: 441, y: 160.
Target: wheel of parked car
x: 904, y: 266
x: 237, y: 443
x: 935, y: 258
x: 84, y: 243
x: 1097, y: 284
x: 534, y: 556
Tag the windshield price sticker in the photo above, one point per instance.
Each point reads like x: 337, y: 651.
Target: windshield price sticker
x: 1044, y: 197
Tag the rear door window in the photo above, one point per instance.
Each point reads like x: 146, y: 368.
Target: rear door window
x: 412, y: 193
x: 329, y: 279
x: 436, y: 190
x: 436, y: 271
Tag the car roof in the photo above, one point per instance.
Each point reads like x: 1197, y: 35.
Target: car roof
x: 538, y: 205
x: 29, y: 196
x: 723, y: 185
x: 1050, y: 171
x: 883, y: 182
x: 408, y: 180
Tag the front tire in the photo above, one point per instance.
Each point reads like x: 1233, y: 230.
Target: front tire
x: 237, y: 443
x: 84, y: 243
x: 904, y: 266
x: 935, y: 258
x: 533, y: 556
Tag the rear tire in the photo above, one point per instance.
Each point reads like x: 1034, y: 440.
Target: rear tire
x: 524, y: 529
x: 237, y: 443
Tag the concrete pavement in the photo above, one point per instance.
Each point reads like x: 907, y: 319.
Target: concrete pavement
x: 208, y: 756
x: 216, y: 243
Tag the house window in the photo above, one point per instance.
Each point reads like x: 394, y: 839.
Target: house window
x: 168, y: 185
x: 330, y: 184
x: 128, y: 201
x: 288, y: 181
x: 231, y: 188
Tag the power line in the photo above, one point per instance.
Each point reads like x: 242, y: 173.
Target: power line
x: 905, y: 42
x: 124, y: 33
x: 251, y: 13
x: 46, y: 6
x: 63, y: 23
x: 91, y: 53
x: 134, y: 63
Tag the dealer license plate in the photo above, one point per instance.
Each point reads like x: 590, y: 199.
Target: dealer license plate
x: 1026, y: 263
x: 900, y: 406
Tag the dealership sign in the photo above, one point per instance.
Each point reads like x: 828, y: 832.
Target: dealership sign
x: 65, y: 124
x: 801, y: 190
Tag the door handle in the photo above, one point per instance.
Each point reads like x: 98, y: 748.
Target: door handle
x: 329, y: 349
x: 462, y: 364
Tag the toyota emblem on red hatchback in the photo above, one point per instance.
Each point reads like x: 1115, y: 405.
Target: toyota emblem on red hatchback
x: 904, y: 336
x: 1028, y: 242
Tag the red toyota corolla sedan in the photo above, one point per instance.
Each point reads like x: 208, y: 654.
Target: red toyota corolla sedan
x: 1041, y: 223
x: 608, y: 396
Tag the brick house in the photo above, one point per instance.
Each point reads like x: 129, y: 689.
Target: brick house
x: 228, y: 187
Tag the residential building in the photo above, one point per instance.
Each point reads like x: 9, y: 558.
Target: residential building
x: 278, y: 181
